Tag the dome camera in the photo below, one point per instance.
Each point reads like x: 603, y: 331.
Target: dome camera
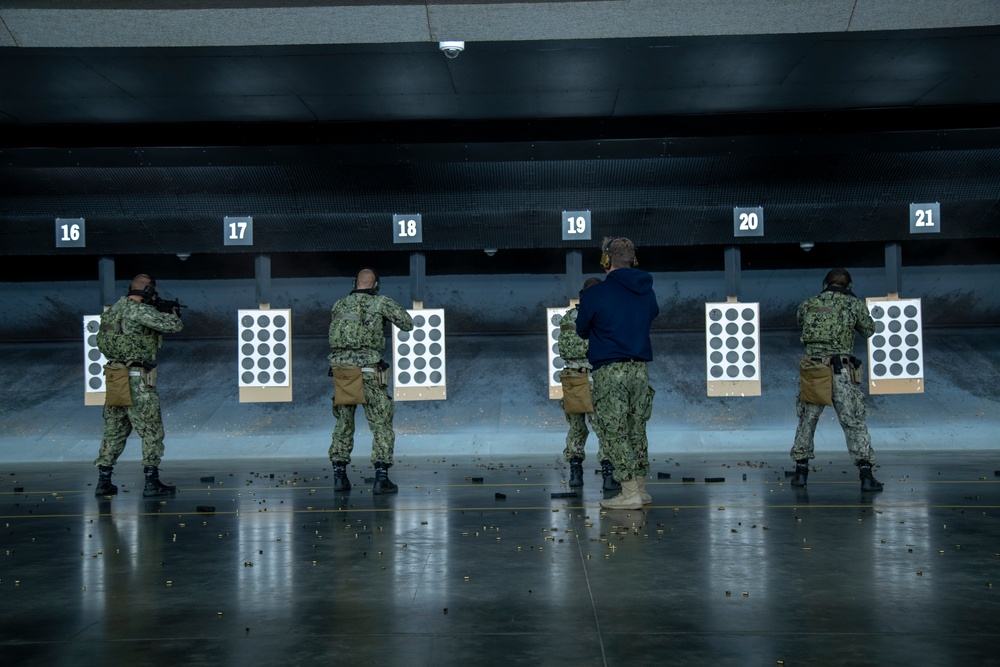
x: 451, y: 49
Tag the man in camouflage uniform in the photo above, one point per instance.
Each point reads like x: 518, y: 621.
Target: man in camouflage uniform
x: 615, y: 316
x: 357, y: 340
x: 573, y: 351
x: 131, y: 334
x: 829, y: 321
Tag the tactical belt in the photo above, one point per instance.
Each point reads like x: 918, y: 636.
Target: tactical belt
x: 134, y: 372
x: 838, y: 362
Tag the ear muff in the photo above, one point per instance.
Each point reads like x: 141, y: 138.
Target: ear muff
x: 375, y: 286
x: 606, y: 257
x: 148, y: 293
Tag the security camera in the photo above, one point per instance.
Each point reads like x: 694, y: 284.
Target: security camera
x: 807, y: 245
x: 451, y: 49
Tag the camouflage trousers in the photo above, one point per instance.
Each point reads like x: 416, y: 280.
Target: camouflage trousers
x: 144, y: 416
x: 576, y: 437
x: 378, y: 410
x: 849, y: 402
x: 623, y: 403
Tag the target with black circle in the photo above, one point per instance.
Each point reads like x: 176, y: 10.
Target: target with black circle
x: 896, y: 349
x: 93, y: 362
x: 418, y: 358
x: 264, y: 344
x: 553, y: 318
x: 732, y: 349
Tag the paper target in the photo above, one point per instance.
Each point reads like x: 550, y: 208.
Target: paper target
x: 93, y: 362
x: 732, y: 349
x: 418, y: 358
x: 896, y: 350
x: 265, y: 348
x: 553, y: 318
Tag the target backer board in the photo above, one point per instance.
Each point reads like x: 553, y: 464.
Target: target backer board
x: 553, y: 318
x: 418, y: 358
x: 896, y: 350
x: 264, y: 349
x: 93, y: 362
x: 732, y: 349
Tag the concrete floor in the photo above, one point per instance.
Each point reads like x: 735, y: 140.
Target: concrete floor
x: 748, y: 571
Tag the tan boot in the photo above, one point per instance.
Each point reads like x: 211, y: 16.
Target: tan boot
x: 628, y: 499
x: 646, y: 498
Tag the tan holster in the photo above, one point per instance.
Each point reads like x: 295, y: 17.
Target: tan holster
x: 117, y: 392
x: 348, y: 387
x: 815, y: 382
x: 576, y: 393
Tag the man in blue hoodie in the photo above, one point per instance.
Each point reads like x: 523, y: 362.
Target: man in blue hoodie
x: 615, y: 317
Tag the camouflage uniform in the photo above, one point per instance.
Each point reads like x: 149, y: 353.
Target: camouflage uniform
x: 143, y: 326
x: 623, y: 403
x: 573, y: 351
x: 828, y: 322
x: 357, y: 340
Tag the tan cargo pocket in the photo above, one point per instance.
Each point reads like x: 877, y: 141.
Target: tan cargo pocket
x: 576, y: 394
x: 815, y: 382
x: 116, y: 388
x: 348, y: 387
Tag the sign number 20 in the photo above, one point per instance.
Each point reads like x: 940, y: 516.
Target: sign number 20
x: 748, y: 222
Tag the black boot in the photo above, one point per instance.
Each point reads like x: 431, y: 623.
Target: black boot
x: 104, y: 485
x: 608, y: 472
x: 801, y: 472
x: 382, y: 482
x: 340, y: 481
x: 868, y: 481
x: 154, y: 487
x: 575, y: 472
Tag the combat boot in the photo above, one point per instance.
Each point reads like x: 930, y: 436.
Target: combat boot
x: 382, y: 482
x: 104, y: 485
x: 154, y: 487
x: 646, y: 498
x: 340, y: 481
x: 801, y: 472
x: 575, y: 472
x: 628, y: 499
x: 868, y: 481
x: 608, y: 473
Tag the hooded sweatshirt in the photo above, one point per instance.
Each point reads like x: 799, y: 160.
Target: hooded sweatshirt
x: 615, y: 316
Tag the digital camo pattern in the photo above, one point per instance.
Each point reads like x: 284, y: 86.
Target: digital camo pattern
x: 133, y: 331
x: 356, y: 332
x: 829, y: 321
x: 144, y: 416
x: 572, y: 348
x: 576, y: 436
x: 623, y: 403
x: 378, y: 412
x: 848, y: 401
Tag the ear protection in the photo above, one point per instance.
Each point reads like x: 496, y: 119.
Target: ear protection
x: 375, y: 286
x: 148, y: 293
x: 606, y: 257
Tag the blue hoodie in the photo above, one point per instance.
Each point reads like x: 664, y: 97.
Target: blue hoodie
x: 615, y: 317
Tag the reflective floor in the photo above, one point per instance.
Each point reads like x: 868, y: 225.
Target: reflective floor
x: 258, y: 562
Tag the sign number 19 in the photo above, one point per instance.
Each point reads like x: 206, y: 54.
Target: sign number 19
x: 576, y: 225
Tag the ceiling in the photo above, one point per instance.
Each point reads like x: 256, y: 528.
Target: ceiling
x: 833, y: 130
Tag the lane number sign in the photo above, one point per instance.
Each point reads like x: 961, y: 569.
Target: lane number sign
x: 576, y: 226
x: 748, y: 221
x: 925, y: 218
x: 237, y: 230
x: 71, y: 233
x: 407, y: 228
